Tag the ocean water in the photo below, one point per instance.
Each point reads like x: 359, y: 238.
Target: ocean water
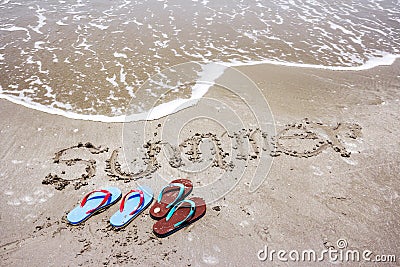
x: 96, y: 60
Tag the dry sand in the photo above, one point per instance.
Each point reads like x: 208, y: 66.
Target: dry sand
x: 345, y: 187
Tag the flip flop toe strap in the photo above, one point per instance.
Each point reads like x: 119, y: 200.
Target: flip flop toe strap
x: 106, y: 197
x: 141, y: 201
x: 181, y: 191
x: 179, y: 205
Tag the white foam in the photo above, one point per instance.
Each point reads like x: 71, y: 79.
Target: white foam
x: 162, y: 44
x: 137, y: 22
x: 210, y: 73
x: 84, y: 44
x: 338, y: 27
x: 41, y: 21
x: 116, y: 54
x: 99, y: 26
x: 207, y: 76
x: 112, y: 80
x: 122, y: 75
x: 385, y: 59
x: 250, y: 36
x: 130, y: 91
x: 15, y: 28
x: 49, y: 91
x: 340, y: 39
x: 61, y: 23
x: 38, y: 44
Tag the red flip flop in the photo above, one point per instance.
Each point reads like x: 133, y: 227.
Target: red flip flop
x: 169, y: 196
x: 181, y: 215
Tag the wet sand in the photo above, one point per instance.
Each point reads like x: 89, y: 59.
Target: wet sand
x: 334, y: 175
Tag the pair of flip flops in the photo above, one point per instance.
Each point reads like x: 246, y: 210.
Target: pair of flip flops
x: 173, y: 211
x: 132, y: 204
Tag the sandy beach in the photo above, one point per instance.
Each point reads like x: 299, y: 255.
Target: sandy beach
x: 345, y: 187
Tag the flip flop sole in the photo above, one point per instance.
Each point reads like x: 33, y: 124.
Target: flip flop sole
x: 159, y: 210
x: 121, y: 219
x: 78, y: 215
x: 165, y: 228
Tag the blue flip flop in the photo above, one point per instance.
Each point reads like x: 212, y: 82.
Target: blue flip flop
x: 132, y: 204
x: 94, y: 202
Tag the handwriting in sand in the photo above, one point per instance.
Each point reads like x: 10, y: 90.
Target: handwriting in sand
x: 305, y: 139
